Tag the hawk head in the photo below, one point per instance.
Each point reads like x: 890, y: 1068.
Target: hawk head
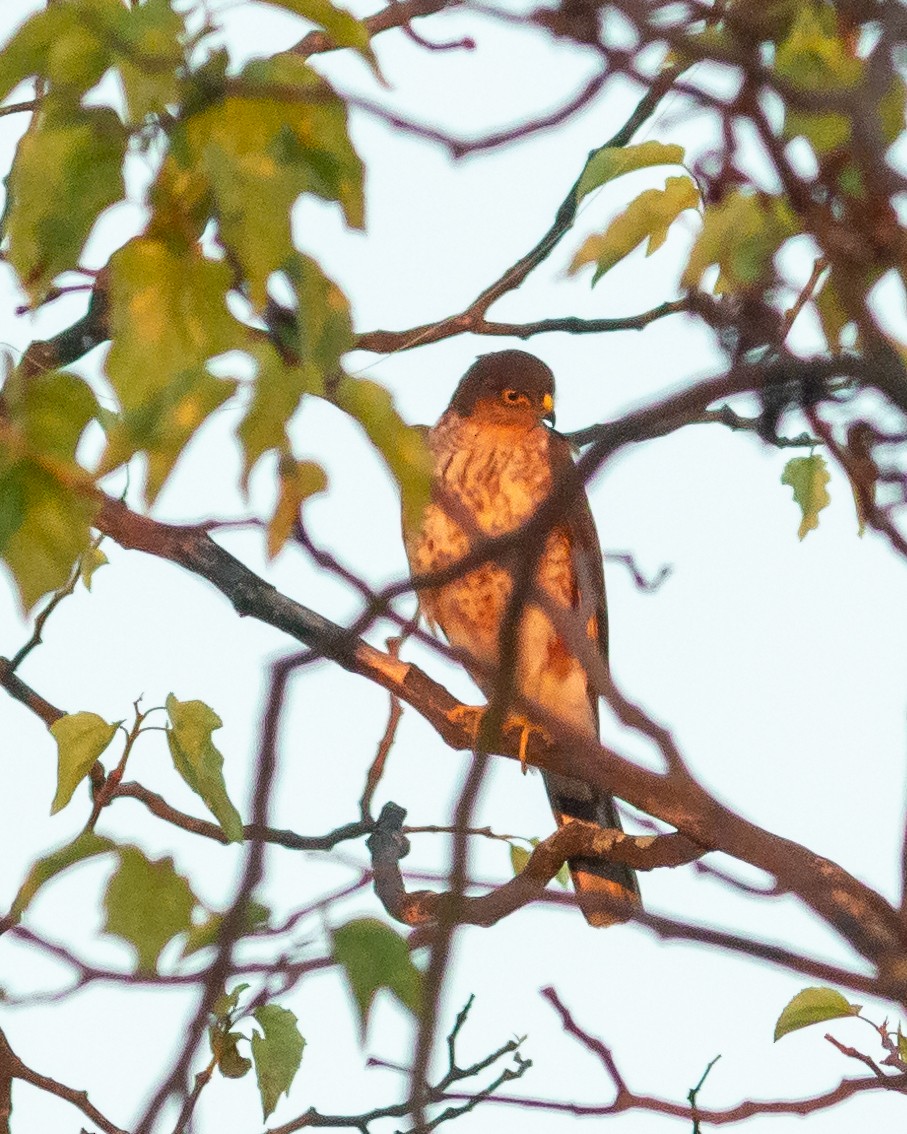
x: 509, y: 387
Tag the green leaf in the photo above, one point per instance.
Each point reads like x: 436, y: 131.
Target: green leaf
x: 81, y: 738
x: 225, y: 1005
x: 832, y: 315
x: 902, y: 1046
x: 12, y: 503
x: 93, y: 559
x: 204, y: 934
x: 814, y: 58
x: 147, y: 904
x: 199, y: 762
x: 298, y: 480
x: 147, y: 50
x: 54, y: 530
x: 808, y: 477
x: 614, y: 161
x: 279, y: 387
x: 86, y: 845
x: 167, y: 303
x: 56, y: 45
x: 343, y: 28
x: 519, y: 856
x: 812, y: 1006
x: 259, y: 150
x: 164, y: 425
x: 314, y: 337
x: 67, y: 170
x: 741, y: 235
x: 403, y: 448
x: 373, y: 957
x: 277, y: 1052
x: 648, y: 217
x: 224, y: 1048
x: 51, y: 409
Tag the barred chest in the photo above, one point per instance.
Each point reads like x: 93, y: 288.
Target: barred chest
x: 492, y: 480
x: 498, y: 477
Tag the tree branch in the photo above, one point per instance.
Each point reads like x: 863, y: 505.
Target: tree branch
x: 14, y: 1068
x: 426, y: 907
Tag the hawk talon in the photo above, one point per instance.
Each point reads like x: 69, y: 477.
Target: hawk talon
x: 470, y: 717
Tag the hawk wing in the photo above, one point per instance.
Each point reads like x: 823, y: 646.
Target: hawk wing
x: 571, y: 799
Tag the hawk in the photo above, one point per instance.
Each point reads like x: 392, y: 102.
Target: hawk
x: 495, y: 461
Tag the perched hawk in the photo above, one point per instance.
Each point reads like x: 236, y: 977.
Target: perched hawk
x: 495, y: 461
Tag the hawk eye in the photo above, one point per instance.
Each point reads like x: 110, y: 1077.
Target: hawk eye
x: 513, y: 397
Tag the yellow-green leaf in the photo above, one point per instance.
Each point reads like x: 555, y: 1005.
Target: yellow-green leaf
x: 52, y: 409
x: 147, y: 50
x: 259, y: 151
x: 373, y: 957
x: 404, y: 449
x: 315, y: 337
x: 648, y: 217
x: 833, y: 317
x: 277, y: 1051
x: 297, y: 481
x: 81, y: 738
x: 164, y: 425
x: 54, y: 529
x: 812, y: 1006
x: 86, y: 845
x: 67, y: 170
x: 167, y: 304
x: 613, y: 161
x: 741, y: 235
x: 808, y: 477
x: 199, y: 762
x: 147, y: 904
x: 57, y: 45
x: 91, y: 561
x: 519, y: 856
x: 343, y: 28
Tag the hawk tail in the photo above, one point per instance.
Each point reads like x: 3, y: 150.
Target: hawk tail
x: 593, y: 878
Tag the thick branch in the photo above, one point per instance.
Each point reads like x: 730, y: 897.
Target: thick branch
x: 387, y: 846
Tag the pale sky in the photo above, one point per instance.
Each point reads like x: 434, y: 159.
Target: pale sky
x: 779, y: 665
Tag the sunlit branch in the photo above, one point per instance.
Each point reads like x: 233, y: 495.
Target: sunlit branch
x: 575, y: 839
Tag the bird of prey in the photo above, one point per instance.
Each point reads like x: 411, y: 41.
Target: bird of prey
x: 495, y: 461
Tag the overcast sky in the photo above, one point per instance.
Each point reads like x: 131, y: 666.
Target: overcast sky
x: 779, y: 665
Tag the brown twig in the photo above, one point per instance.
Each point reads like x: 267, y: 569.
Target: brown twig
x: 434, y: 1093
x: 376, y: 768
x: 14, y: 1068
x: 231, y: 927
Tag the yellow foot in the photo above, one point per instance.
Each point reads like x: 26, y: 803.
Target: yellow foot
x: 527, y: 728
x: 470, y: 717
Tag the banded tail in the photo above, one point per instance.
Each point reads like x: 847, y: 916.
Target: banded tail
x: 592, y: 877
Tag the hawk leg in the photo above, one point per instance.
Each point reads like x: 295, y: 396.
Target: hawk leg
x: 471, y: 717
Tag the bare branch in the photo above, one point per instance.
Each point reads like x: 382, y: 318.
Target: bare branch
x: 16, y: 1069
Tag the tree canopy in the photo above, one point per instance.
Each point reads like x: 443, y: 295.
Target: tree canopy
x: 175, y: 191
